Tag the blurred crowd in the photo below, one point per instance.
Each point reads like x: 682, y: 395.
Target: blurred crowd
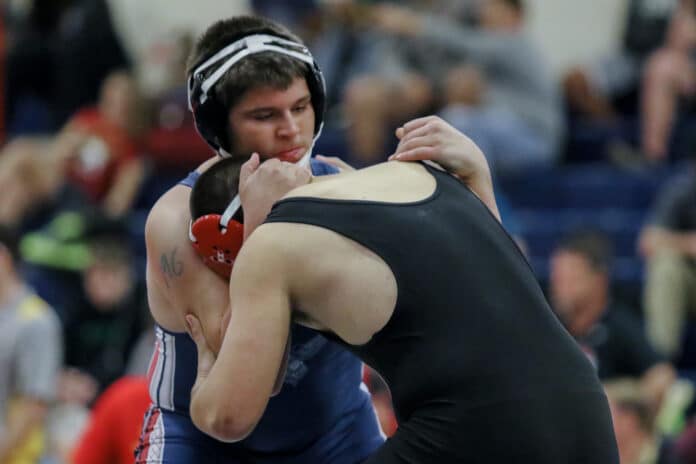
x: 595, y: 171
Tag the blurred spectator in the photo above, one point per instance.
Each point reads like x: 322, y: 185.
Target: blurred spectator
x: 97, y: 155
x: 668, y: 244
x: 30, y: 358
x: 611, y: 336
x: 60, y: 52
x: 173, y: 141
x: 151, y: 31
x: 634, y: 426
x: 491, y: 80
x: 670, y: 77
x: 113, y: 429
x: 101, y: 329
x: 603, y: 89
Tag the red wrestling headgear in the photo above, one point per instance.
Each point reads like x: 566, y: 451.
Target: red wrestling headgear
x: 216, y: 230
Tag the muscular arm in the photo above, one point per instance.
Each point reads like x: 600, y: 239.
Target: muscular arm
x: 178, y: 283
x: 655, y: 383
x: 251, y: 359
x: 655, y: 237
x: 125, y: 187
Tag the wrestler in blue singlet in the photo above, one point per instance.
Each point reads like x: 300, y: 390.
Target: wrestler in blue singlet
x: 322, y: 415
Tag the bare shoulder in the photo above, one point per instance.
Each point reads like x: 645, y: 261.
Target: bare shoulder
x: 392, y: 181
x: 178, y: 281
x: 169, y: 214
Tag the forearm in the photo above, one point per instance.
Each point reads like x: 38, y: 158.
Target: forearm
x: 656, y: 381
x: 482, y: 186
x: 654, y: 238
x: 125, y: 187
x: 203, y: 408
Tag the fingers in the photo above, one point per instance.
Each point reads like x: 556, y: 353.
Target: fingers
x: 414, y: 124
x: 250, y: 166
x: 413, y: 141
x: 419, y: 127
x: 419, y: 153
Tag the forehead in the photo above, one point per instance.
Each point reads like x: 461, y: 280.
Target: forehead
x: 570, y: 259
x: 269, y: 96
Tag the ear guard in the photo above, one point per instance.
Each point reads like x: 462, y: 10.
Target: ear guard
x: 217, y: 239
x: 215, y: 230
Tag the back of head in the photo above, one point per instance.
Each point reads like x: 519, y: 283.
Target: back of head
x: 216, y: 188
x: 217, y: 237
x: 255, y: 63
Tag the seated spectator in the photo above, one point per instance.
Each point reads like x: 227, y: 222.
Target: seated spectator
x: 97, y: 154
x: 611, y: 336
x: 102, y: 327
x: 669, y: 79
x: 604, y: 89
x: 30, y: 359
x: 59, y: 52
x: 491, y: 80
x: 634, y: 426
x: 668, y: 244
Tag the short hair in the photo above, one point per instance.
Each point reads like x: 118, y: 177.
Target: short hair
x: 593, y: 244
x: 216, y: 188
x: 108, y: 239
x: 518, y: 5
x: 267, y: 69
x: 9, y: 240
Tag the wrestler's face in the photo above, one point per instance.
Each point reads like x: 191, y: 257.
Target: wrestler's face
x: 275, y: 123
x: 572, y: 282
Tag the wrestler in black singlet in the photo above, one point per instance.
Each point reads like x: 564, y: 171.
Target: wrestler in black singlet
x: 480, y: 369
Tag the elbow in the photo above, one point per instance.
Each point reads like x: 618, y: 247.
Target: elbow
x: 224, y: 426
x: 230, y: 430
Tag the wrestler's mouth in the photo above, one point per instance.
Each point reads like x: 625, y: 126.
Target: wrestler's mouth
x: 292, y: 156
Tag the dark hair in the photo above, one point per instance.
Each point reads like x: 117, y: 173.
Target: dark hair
x: 10, y: 240
x: 108, y: 239
x: 263, y: 69
x: 215, y: 188
x: 594, y: 245
x: 518, y: 5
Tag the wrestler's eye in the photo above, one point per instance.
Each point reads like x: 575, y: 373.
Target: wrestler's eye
x: 262, y: 116
x: 300, y: 108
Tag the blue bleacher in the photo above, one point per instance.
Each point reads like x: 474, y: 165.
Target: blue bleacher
x: 550, y: 203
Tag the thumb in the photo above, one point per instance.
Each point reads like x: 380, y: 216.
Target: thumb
x: 400, y: 132
x: 249, y: 167
x: 195, y: 330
